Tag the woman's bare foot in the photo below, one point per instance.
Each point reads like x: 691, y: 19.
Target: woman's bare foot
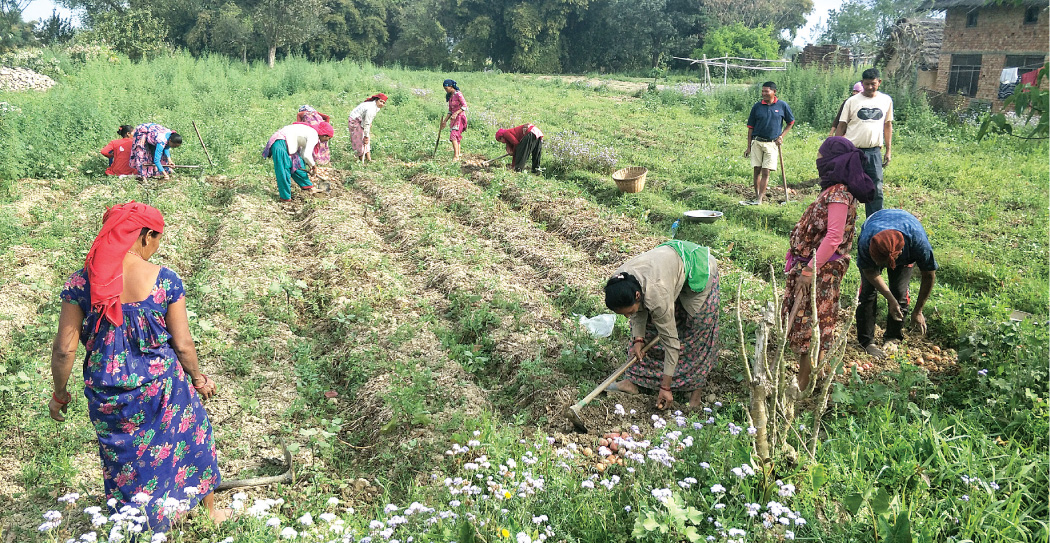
x: 695, y: 399
x: 624, y: 386
x: 218, y: 516
x: 875, y: 351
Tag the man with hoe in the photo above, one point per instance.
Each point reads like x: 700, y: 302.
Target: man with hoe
x: 769, y: 120
x: 867, y: 121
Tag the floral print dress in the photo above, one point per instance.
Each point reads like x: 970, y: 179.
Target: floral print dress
x: 805, y: 239
x: 153, y: 433
x: 144, y: 142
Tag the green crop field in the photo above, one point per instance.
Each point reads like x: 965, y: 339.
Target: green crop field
x: 410, y: 336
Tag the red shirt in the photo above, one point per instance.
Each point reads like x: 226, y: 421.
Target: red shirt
x: 120, y: 152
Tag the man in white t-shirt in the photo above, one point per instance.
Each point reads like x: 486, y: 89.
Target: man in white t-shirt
x: 867, y: 121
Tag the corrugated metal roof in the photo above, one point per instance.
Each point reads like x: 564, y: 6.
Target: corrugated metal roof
x: 939, y: 5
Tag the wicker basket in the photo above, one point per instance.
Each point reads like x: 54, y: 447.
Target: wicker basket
x: 630, y: 179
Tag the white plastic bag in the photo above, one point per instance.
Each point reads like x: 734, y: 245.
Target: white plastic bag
x: 600, y: 326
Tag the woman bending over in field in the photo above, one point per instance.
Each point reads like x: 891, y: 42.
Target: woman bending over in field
x: 820, y: 247
x: 360, y: 123
x: 314, y: 118
x: 523, y: 142
x: 142, y: 382
x: 670, y: 292
x: 457, y: 116
x: 119, y: 152
x: 151, y: 146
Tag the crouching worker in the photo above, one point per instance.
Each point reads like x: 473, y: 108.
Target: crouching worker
x: 292, y: 150
x: 670, y: 292
x: 522, y: 142
x: 894, y: 239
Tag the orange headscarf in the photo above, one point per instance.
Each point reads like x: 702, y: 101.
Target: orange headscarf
x: 104, y: 264
x: 886, y: 246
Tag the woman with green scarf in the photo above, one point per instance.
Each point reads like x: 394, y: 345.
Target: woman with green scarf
x: 671, y: 292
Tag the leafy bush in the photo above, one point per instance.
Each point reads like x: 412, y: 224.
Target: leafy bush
x: 39, y: 60
x: 134, y: 32
x: 737, y: 40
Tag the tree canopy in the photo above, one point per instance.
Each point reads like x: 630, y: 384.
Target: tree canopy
x: 516, y: 35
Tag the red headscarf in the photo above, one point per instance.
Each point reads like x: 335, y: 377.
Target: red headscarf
x: 104, y: 265
x: 377, y: 96
x: 886, y: 246
x: 325, y: 129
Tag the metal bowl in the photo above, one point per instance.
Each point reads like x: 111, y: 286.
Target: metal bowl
x: 702, y: 215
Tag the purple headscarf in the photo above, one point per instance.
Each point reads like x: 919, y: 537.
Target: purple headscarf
x: 841, y: 162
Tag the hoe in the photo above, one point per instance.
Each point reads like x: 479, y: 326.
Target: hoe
x: 573, y: 412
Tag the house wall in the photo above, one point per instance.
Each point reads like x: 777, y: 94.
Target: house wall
x: 1000, y: 31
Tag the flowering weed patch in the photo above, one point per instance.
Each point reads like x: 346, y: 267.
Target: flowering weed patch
x: 569, y: 150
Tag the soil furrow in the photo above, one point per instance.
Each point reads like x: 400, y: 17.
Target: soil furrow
x: 355, y: 270
x: 608, y: 237
x: 557, y: 262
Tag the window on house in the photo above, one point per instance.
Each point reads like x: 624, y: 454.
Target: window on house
x: 1031, y: 15
x: 971, y: 18
x: 964, y: 74
x: 1024, y: 63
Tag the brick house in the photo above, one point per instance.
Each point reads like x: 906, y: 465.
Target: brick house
x: 981, y: 38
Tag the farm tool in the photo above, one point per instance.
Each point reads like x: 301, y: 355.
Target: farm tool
x: 573, y: 412
x: 437, y: 143
x: 783, y: 176
x: 487, y: 162
x: 200, y: 139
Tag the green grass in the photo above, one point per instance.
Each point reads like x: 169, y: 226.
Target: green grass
x: 433, y: 315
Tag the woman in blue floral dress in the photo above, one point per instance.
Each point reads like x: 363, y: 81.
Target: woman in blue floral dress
x: 142, y: 381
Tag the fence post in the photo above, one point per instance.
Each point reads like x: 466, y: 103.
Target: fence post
x: 725, y: 72
x: 707, y: 73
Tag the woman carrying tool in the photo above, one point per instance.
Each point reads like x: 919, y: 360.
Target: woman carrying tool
x: 151, y: 146
x: 360, y: 123
x: 457, y: 114
x: 671, y: 292
x: 119, y: 152
x: 523, y: 142
x: 312, y: 117
x: 291, y: 149
x: 820, y: 247
x: 142, y: 381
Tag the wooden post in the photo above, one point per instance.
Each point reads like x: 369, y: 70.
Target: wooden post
x: 707, y: 72
x: 725, y: 72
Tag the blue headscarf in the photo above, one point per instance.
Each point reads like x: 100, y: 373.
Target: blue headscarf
x: 449, y: 83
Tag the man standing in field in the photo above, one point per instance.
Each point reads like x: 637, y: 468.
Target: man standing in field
x: 867, y: 121
x: 765, y: 132
x: 894, y: 239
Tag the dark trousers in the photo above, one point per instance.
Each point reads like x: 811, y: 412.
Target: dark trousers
x: 868, y: 306
x: 873, y: 167
x: 529, y: 146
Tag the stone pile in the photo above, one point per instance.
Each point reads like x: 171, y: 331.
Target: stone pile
x: 23, y: 79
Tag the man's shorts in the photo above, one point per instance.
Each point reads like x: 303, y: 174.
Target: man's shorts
x: 764, y: 154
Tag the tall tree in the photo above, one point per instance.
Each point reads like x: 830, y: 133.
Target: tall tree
x: 282, y: 23
x: 785, y: 15
x: 55, y: 29
x: 354, y: 29
x: 862, y: 24
x: 14, y: 32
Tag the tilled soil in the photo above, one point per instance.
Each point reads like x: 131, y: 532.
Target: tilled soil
x: 407, y: 247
